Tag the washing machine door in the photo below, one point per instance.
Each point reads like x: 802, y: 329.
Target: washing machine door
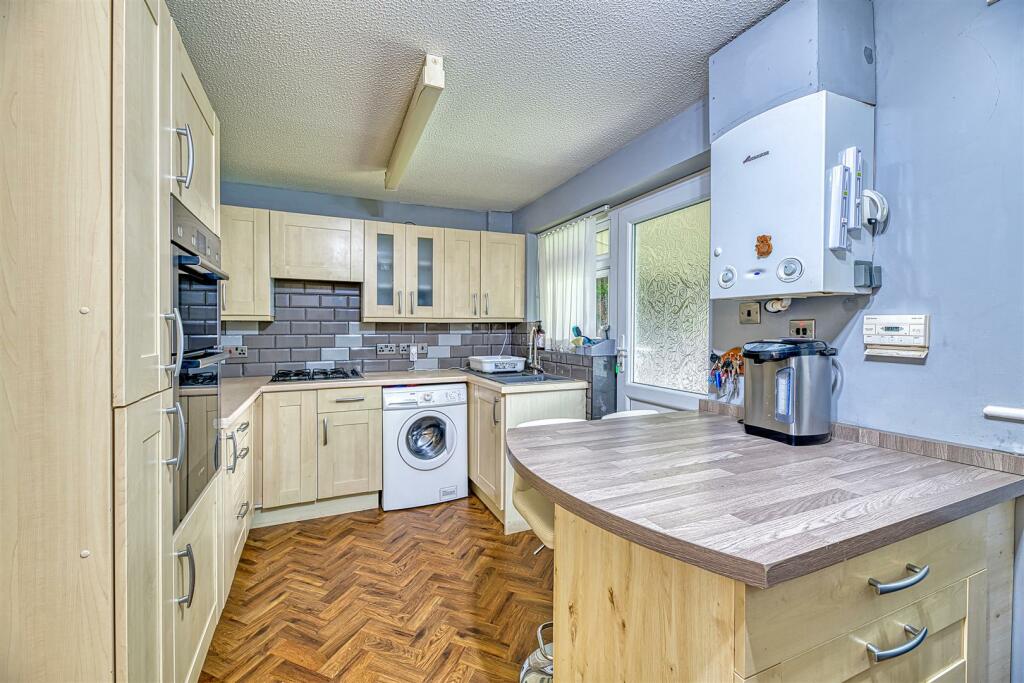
x: 427, y: 440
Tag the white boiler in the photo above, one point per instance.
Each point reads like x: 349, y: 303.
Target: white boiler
x: 786, y: 189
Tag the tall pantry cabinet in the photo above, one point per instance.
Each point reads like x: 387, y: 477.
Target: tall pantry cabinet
x: 89, y: 155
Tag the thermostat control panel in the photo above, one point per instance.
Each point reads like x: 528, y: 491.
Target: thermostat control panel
x: 896, y: 336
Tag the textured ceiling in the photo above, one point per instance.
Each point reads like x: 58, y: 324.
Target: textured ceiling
x: 311, y: 93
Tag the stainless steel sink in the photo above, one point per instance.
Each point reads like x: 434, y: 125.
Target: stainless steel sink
x: 519, y: 377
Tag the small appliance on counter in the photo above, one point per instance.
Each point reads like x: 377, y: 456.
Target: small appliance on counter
x: 787, y: 392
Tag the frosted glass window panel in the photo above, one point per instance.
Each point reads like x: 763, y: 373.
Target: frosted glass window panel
x: 424, y: 271
x: 385, y: 270
x: 671, y: 299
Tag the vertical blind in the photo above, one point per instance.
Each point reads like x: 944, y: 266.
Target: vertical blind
x: 567, y: 294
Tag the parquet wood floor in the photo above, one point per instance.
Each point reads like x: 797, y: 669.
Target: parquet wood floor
x: 430, y: 594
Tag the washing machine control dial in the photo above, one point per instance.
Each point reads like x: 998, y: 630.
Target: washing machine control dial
x: 427, y: 397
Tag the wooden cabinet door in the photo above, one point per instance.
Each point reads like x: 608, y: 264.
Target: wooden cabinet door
x: 384, y: 271
x: 289, y: 448
x: 349, y: 453
x: 141, y: 230
x: 503, y: 275
x: 424, y: 272
x: 461, y: 274
x: 305, y: 247
x: 196, y: 575
x: 142, y: 539
x: 245, y: 245
x: 485, y: 454
x: 192, y: 111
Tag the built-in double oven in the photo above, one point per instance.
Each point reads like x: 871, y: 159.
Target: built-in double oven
x: 196, y: 289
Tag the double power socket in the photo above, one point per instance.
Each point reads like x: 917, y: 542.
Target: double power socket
x: 400, y: 349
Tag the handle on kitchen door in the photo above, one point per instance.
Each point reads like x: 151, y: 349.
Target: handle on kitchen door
x: 917, y: 576
x: 175, y: 367
x: 186, y: 599
x: 412, y: 303
x: 325, y: 431
x: 234, y: 452
x: 180, y: 458
x: 881, y: 655
x: 494, y: 411
x: 243, y: 510
x: 399, y: 297
x: 242, y: 428
x: 350, y: 399
x: 475, y: 295
x: 186, y: 133
x: 487, y: 303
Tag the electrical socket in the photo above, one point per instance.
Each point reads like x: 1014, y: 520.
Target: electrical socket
x: 750, y: 313
x: 403, y: 349
x: 386, y: 349
x: 237, y: 351
x: 801, y: 328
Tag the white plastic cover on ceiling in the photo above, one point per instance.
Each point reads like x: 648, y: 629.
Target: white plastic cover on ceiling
x: 311, y: 93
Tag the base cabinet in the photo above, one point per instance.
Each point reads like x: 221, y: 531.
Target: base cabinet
x: 195, y: 579
x: 289, y: 448
x: 349, y: 453
x: 486, y: 443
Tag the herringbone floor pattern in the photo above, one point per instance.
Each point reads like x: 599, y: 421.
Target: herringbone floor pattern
x: 430, y: 594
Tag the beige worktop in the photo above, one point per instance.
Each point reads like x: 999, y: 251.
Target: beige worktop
x: 238, y: 393
x: 696, y: 487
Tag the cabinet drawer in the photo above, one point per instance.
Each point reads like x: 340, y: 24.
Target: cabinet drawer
x: 348, y: 398
x: 846, y: 658
x: 781, y: 622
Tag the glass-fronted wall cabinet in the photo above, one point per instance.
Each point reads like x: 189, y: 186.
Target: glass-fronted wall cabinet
x: 405, y: 271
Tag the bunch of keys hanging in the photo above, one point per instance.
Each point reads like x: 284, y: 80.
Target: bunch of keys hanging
x: 723, y: 377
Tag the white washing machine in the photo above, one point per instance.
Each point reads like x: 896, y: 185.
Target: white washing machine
x: 425, y: 454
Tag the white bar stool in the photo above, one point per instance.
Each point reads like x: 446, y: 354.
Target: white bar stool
x: 630, y: 413
x: 538, y: 511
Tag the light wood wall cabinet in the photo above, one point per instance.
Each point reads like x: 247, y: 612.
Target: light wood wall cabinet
x: 349, y: 451
x: 195, y: 162
x: 461, y: 274
x: 196, y: 579
x: 289, y: 448
x: 245, y: 245
x: 307, y: 247
x: 442, y: 274
x: 491, y: 413
x: 503, y: 276
x: 142, y: 538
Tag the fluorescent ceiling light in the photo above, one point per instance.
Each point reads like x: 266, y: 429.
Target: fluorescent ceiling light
x: 421, y: 106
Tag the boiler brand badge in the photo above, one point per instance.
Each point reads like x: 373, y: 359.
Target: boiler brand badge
x: 754, y: 157
x: 763, y: 247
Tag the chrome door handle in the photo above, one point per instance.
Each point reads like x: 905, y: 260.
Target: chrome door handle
x: 412, y: 303
x: 175, y: 367
x: 243, y: 510
x: 916, y: 577
x: 176, y: 461
x: 349, y: 399
x: 186, y: 599
x: 399, y: 302
x: 234, y: 452
x: 487, y: 303
x: 325, y: 431
x: 475, y: 295
x: 494, y: 411
x: 242, y: 428
x: 186, y: 132
x: 881, y: 655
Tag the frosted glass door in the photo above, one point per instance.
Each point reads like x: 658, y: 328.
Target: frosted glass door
x: 424, y: 257
x: 384, y: 284
x: 663, y: 310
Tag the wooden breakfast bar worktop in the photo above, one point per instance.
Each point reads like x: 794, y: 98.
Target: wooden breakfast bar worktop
x: 687, y: 550
x: 694, y: 486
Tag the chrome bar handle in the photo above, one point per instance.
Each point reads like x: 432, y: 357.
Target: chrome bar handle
x: 243, y: 510
x: 916, y: 577
x: 350, y: 399
x: 325, y: 431
x: 475, y: 295
x: 180, y: 458
x: 494, y: 411
x: 175, y: 367
x: 487, y: 303
x: 186, y: 599
x: 242, y: 428
x: 412, y: 303
x: 919, y: 634
x: 186, y: 133
x: 234, y: 452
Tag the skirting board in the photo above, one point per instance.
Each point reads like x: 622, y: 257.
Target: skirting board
x: 324, y: 508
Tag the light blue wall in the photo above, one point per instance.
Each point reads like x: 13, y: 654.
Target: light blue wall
x: 280, y: 199
x: 671, y: 150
